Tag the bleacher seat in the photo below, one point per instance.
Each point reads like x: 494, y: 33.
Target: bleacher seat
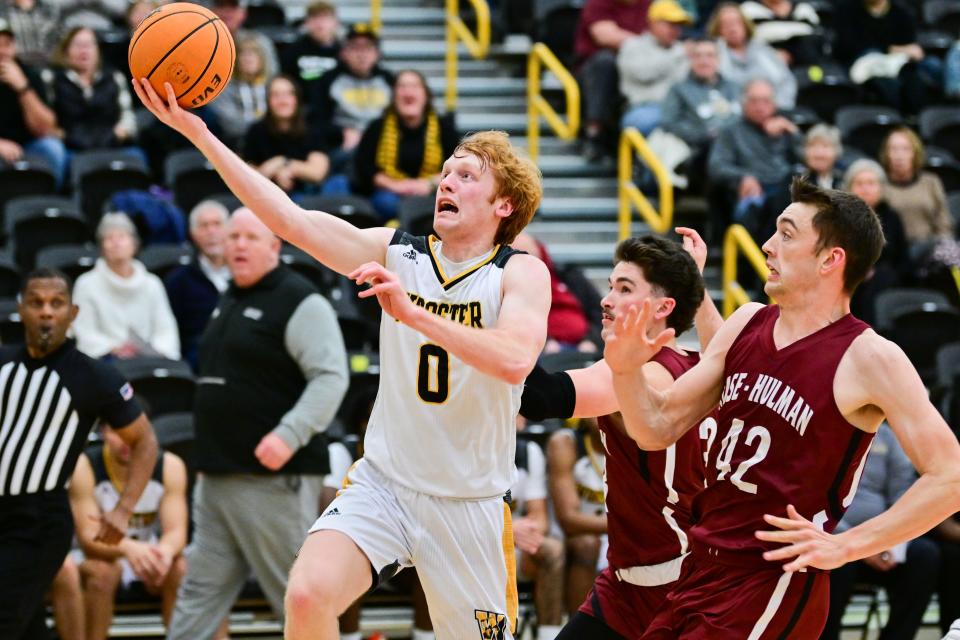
x: 306, y: 265
x: 919, y: 321
x: 114, y: 44
x: 416, y: 214
x: 935, y: 42
x: 825, y: 97
x: 865, y: 126
x: 360, y: 331
x: 160, y: 259
x: 9, y: 276
x: 11, y: 328
x: 34, y: 203
x: 72, y: 259
x: 191, y: 178
x: 167, y: 385
x: 26, y: 177
x: 31, y: 228
x: 948, y: 381
x: 264, y: 13
x: 941, y: 126
x: 942, y: 162
x: 942, y: 14
x: 354, y: 209
x: 97, y: 175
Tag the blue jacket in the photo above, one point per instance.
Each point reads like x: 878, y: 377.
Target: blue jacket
x: 193, y: 298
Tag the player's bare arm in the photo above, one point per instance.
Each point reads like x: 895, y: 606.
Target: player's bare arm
x: 173, y: 510
x: 562, y: 456
x: 656, y: 419
x: 594, y: 387
x: 708, y: 319
x: 508, y: 350
x: 334, y: 242
x: 139, y: 436
x: 86, y: 513
x: 876, y: 380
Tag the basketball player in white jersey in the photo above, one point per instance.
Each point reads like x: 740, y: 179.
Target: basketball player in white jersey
x: 467, y: 320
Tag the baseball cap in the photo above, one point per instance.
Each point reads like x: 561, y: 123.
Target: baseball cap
x: 362, y: 30
x: 5, y: 27
x: 669, y: 11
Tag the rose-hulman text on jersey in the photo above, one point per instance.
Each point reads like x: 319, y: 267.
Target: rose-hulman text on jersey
x: 772, y: 393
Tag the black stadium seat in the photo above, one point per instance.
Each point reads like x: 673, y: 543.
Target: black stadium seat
x: 941, y: 126
x: 9, y: 277
x: 191, y: 178
x: 160, y: 259
x: 167, y: 385
x: 416, y: 214
x: 264, y: 13
x: 31, y: 229
x: 919, y: 321
x: 865, y: 126
x: 26, y: 177
x: 72, y: 259
x: 354, y: 209
x: 97, y: 175
x: 11, y: 329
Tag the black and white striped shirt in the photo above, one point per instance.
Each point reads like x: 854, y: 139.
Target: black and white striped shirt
x: 47, y: 408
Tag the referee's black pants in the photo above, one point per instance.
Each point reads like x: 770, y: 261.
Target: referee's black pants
x: 35, y: 533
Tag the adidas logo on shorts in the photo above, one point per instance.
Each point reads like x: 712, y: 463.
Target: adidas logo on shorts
x: 332, y: 512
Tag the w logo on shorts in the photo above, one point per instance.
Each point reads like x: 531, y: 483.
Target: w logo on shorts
x: 493, y: 626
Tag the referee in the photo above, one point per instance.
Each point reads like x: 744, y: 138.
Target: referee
x: 51, y: 395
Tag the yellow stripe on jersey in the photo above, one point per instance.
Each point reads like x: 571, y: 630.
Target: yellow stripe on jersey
x: 446, y: 282
x: 513, y: 600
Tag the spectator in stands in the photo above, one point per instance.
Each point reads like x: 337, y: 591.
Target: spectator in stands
x: 650, y: 63
x: 908, y: 572
x: 66, y: 600
x: 698, y: 107
x: 866, y: 179
x: 36, y: 25
x: 355, y: 92
x: 540, y: 556
x: 92, y: 101
x: 124, y: 310
x: 273, y: 371
x: 244, y: 100
x: 821, y: 150
x: 948, y: 592
x: 401, y: 153
x: 752, y: 157
x: 234, y: 14
x: 917, y: 195
x: 877, y: 41
x: 316, y: 51
x: 785, y: 25
x: 283, y: 146
x: 28, y: 124
x: 744, y: 58
x: 603, y: 27
x: 574, y: 321
x: 575, y: 464
x: 151, y: 552
x: 194, y: 289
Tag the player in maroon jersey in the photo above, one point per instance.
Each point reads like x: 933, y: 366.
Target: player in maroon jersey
x: 802, y: 388
x: 648, y: 494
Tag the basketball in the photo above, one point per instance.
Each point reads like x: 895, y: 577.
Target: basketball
x: 186, y: 45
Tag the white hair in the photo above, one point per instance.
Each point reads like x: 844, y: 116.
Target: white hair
x: 205, y: 205
x: 116, y: 221
x: 827, y: 133
x: 861, y: 165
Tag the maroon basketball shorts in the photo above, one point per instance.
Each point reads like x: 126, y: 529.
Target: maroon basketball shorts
x: 716, y: 601
x: 624, y: 607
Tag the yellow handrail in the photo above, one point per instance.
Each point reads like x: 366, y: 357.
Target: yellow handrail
x: 537, y: 105
x: 737, y: 240
x: 633, y: 143
x: 457, y: 31
x: 376, y: 21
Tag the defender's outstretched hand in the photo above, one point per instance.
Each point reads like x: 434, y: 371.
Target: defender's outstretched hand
x: 169, y: 113
x: 628, y: 347
x: 807, y: 545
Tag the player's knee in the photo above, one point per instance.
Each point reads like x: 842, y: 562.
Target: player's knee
x: 550, y: 555
x: 101, y: 576
x: 309, y: 594
x: 583, y: 549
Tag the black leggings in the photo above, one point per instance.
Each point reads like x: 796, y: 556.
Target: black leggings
x: 582, y: 626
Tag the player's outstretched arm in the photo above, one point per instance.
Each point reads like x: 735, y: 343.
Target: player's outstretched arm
x: 334, y: 242
x: 708, y: 319
x: 507, y: 351
x: 876, y: 374
x: 655, y: 419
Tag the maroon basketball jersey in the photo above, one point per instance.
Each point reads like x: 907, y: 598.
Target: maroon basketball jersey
x: 649, y: 492
x: 779, y: 439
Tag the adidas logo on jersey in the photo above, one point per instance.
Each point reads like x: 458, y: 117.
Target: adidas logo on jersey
x: 411, y: 255
x: 332, y: 512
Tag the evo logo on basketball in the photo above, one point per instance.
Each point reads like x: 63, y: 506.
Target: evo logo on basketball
x: 493, y: 626
x: 209, y: 90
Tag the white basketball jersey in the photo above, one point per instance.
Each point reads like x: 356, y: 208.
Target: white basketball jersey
x: 439, y: 426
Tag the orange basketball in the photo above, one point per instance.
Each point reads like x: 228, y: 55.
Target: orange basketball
x: 186, y: 45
